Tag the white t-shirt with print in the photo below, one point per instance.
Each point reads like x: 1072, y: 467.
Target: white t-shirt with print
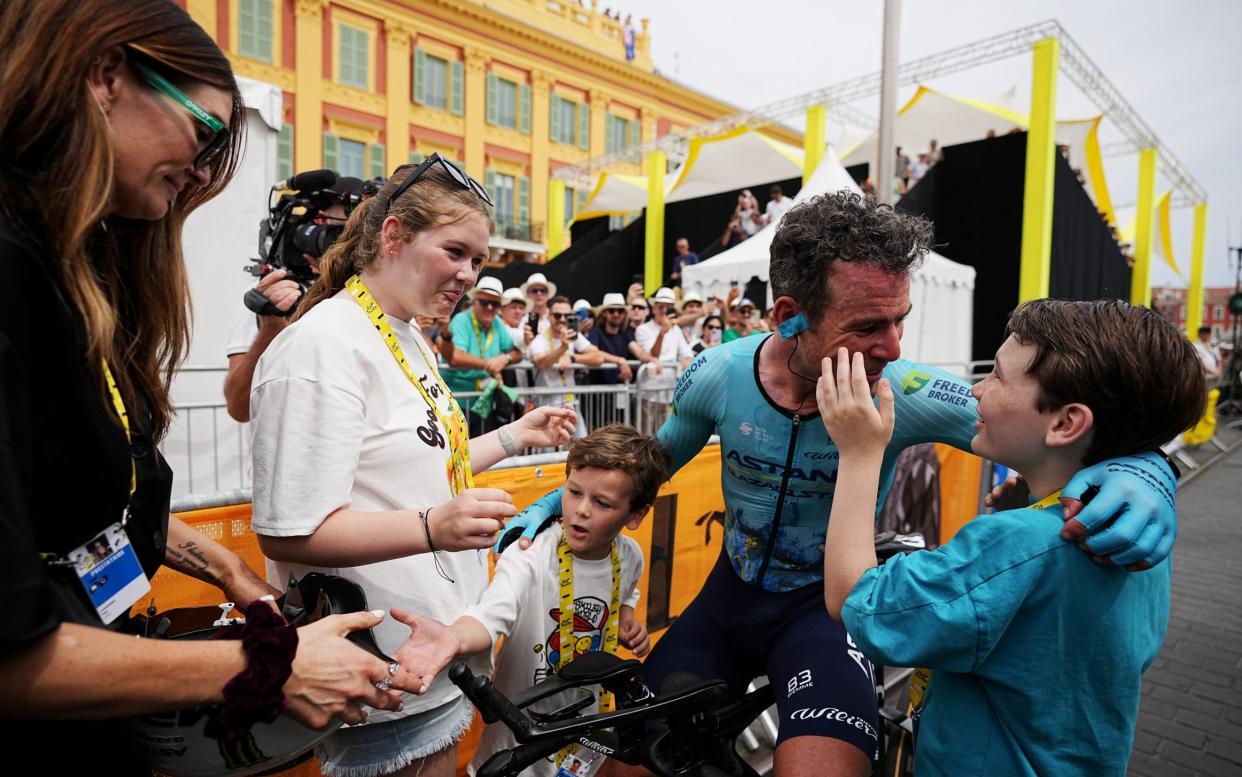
x: 673, y: 351
x: 554, y: 376
x: 523, y: 603
x: 336, y: 423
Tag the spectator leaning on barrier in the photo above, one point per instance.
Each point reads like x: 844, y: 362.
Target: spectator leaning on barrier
x: 513, y: 314
x: 539, y: 290
x: 663, y: 339
x: 554, y: 353
x: 615, y: 341
x: 482, y: 346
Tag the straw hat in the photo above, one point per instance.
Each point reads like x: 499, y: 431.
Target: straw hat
x: 539, y: 279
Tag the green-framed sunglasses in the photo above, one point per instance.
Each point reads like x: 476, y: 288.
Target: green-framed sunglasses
x: 220, y: 133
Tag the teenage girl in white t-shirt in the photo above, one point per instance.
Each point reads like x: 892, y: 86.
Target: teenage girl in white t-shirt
x: 361, y: 463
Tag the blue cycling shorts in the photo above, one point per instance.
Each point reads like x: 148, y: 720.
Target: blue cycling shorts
x: 736, y: 632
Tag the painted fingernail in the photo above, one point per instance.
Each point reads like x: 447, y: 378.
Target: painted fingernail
x: 378, y: 613
x: 268, y: 598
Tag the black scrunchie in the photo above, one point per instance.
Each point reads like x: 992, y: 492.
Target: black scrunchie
x: 255, y: 695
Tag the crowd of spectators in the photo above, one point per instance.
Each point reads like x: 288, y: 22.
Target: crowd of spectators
x: 530, y: 336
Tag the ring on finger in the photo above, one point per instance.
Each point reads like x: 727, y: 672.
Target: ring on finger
x: 386, y: 683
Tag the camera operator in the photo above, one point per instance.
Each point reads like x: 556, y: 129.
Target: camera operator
x: 282, y: 287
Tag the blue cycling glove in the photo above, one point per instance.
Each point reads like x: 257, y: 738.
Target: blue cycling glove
x: 534, y: 519
x: 1132, y: 517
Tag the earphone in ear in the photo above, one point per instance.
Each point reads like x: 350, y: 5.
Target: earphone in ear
x: 793, y: 326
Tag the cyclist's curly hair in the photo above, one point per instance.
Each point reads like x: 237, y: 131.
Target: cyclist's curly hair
x: 841, y: 227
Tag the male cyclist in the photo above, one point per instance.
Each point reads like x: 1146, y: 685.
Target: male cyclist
x: 840, y: 273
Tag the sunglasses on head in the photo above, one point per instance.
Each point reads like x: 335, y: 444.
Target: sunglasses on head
x: 454, y: 172
x: 207, y: 150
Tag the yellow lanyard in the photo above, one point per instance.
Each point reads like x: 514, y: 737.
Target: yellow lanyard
x: 458, y: 470
x: 568, y: 647
x: 119, y: 404
x: 478, y: 336
x: 1048, y: 501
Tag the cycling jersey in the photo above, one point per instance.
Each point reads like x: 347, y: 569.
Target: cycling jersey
x: 778, y: 468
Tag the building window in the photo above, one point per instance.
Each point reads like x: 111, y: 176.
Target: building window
x: 502, y: 102
x: 1181, y: 313
x: 564, y: 120
x: 619, y: 133
x: 438, y: 82
x: 254, y: 29
x: 284, y: 152
x: 352, y: 158
x: 570, y: 199
x: 1218, y: 313
x: 353, y: 57
x: 503, y: 188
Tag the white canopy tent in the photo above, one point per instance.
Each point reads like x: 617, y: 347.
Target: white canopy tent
x: 939, y: 329
x: 733, y: 160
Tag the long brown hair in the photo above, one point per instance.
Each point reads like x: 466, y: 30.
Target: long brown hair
x: 125, y: 278
x: 435, y: 198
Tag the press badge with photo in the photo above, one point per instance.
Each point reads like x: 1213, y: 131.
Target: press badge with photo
x: 110, y: 572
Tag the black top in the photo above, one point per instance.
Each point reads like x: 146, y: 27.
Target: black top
x: 617, y: 345
x: 64, y: 464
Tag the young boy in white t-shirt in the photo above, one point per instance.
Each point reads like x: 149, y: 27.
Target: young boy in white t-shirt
x: 612, y: 477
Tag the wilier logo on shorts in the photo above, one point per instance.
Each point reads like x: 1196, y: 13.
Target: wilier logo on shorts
x: 914, y: 382
x: 798, y: 682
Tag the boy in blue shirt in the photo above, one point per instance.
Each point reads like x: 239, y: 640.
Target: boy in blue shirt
x: 1036, y: 651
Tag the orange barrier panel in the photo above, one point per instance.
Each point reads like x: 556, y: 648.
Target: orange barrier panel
x: 681, y: 539
x: 959, y: 489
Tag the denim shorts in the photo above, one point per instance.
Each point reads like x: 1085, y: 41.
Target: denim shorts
x: 376, y: 749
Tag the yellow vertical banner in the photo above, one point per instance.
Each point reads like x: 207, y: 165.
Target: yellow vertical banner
x: 1194, y: 294
x: 556, y: 217
x: 1140, y: 274
x: 653, y: 252
x: 814, y: 140
x: 1041, y: 150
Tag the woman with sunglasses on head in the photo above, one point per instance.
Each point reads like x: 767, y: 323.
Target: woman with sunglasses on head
x: 362, y: 462
x: 119, y: 119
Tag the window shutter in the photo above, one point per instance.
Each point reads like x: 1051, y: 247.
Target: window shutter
x: 459, y: 81
x: 361, y: 60
x: 523, y: 203
x: 582, y: 198
x: 420, y: 76
x: 636, y: 136
x: 491, y: 98
x: 524, y: 110
x: 555, y: 123
x: 489, y: 183
x: 377, y: 161
x: 263, y: 30
x: 331, y: 151
x: 246, y: 27
x: 284, y: 152
x: 584, y: 126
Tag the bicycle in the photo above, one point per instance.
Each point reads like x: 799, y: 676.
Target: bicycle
x: 686, y: 729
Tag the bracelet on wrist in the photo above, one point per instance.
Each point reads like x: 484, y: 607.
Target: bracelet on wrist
x: 435, y: 554
x: 506, y: 440
x: 255, y: 694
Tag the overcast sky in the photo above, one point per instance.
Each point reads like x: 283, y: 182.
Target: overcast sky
x: 1179, y: 65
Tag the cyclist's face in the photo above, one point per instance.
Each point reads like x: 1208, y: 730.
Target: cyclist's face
x: 867, y: 314
x: 596, y: 506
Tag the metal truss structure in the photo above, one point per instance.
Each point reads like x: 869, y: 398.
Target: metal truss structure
x: 1074, y: 63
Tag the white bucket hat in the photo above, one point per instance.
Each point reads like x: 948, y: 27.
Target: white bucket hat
x: 583, y: 305
x: 488, y: 285
x: 539, y: 279
x: 513, y: 294
x: 664, y: 294
x: 688, y: 297
x: 613, y: 299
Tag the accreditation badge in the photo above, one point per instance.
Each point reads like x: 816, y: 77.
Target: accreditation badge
x: 110, y: 572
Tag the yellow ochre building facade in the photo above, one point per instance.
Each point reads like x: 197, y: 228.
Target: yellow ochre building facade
x: 513, y: 89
